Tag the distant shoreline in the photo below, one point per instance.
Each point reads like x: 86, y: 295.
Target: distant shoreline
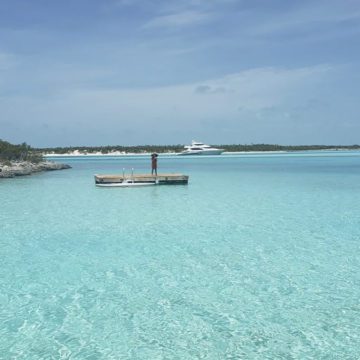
x: 119, y: 154
x: 149, y: 154
x: 138, y: 150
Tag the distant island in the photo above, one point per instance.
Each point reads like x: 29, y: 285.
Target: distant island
x: 163, y: 149
x: 20, y: 160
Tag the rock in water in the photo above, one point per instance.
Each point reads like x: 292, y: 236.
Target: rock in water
x: 21, y: 168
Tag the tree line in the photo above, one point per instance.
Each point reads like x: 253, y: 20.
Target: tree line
x: 178, y: 148
x: 22, y: 152
x: 110, y: 148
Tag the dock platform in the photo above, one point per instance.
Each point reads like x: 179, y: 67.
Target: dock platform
x: 140, y: 180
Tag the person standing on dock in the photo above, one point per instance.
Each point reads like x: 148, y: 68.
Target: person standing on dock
x: 154, y: 164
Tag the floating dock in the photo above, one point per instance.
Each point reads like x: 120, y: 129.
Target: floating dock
x: 140, y: 180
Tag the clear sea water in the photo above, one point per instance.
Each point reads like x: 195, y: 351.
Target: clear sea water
x: 257, y: 258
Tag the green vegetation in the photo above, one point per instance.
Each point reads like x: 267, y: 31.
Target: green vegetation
x: 274, y: 147
x: 22, y: 152
x: 178, y: 148
x: 108, y: 148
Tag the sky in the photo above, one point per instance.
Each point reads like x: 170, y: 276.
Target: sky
x: 135, y: 72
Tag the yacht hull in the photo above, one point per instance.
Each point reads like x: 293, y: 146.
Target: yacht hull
x: 202, y: 152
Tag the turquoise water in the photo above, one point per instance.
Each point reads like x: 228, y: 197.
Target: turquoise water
x: 257, y: 258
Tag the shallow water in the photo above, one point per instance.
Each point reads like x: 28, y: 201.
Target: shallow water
x: 257, y: 258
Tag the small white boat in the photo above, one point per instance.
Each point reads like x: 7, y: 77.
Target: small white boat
x: 199, y: 148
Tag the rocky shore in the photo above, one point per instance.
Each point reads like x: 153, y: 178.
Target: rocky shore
x: 21, y: 168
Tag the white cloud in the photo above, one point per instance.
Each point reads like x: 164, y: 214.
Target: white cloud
x: 186, y: 18
x: 273, y: 105
x: 262, y: 98
x: 301, y: 17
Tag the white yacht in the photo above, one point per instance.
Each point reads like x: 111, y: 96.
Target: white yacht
x: 199, y: 148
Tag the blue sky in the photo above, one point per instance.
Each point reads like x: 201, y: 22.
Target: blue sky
x: 90, y: 72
